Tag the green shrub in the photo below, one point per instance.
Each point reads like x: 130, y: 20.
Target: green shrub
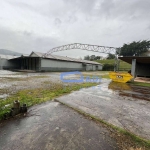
x: 108, y: 67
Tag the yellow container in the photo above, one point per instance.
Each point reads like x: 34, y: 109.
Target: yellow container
x: 120, y: 76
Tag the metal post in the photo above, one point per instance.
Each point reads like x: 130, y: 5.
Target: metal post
x: 115, y: 65
x: 133, y: 68
x: 117, y: 61
x: 0, y: 63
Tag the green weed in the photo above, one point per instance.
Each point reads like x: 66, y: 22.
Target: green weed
x: 39, y: 95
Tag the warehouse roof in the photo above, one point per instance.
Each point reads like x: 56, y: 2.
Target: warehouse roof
x: 50, y: 56
x: 128, y: 59
x: 8, y: 56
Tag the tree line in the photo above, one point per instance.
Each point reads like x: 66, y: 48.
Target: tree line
x: 134, y: 48
x: 92, y: 57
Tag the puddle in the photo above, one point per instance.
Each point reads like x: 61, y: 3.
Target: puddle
x: 131, y: 91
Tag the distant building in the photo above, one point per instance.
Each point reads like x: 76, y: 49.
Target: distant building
x: 35, y: 61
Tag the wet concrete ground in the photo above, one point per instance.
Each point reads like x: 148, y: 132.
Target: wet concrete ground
x: 55, y: 126
x: 52, y: 126
x: 120, y: 104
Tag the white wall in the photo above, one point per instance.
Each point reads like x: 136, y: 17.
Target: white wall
x: 89, y: 67
x: 94, y: 67
x: 100, y: 67
x: 56, y: 65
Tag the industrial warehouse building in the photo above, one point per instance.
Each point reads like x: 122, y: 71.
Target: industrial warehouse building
x: 35, y: 61
x: 140, y: 66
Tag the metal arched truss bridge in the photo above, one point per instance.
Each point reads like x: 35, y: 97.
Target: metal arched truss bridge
x: 87, y: 47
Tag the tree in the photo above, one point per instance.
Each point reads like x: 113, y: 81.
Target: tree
x: 87, y: 57
x: 92, y: 57
x: 111, y: 56
x: 98, y: 57
x: 135, y: 48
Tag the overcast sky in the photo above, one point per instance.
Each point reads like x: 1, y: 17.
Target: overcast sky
x: 39, y: 25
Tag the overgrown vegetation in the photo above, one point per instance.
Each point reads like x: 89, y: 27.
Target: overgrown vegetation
x: 92, y: 57
x: 111, y: 56
x: 22, y: 79
x: 105, y: 76
x: 39, y: 95
x: 109, y: 65
x: 140, y: 84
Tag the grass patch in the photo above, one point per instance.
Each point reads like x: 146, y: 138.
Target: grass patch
x: 124, y: 134
x: 13, y: 78
x: 100, y: 74
x: 22, y: 78
x: 39, y: 95
x: 105, y: 76
x: 140, y: 84
x: 123, y: 65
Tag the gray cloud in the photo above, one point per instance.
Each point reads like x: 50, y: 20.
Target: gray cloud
x: 26, y: 42
x: 27, y: 33
x: 27, y: 26
x: 57, y: 22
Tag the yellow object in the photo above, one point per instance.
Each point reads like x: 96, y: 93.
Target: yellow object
x: 120, y: 76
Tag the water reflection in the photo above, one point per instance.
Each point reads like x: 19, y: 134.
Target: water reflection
x: 131, y: 91
x: 119, y: 86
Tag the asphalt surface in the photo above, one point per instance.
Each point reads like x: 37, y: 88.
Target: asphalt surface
x: 123, y: 105
x: 53, y: 126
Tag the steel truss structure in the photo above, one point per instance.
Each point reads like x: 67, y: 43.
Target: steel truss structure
x: 88, y: 47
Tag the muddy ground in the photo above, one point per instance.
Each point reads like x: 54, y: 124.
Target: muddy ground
x: 11, y: 82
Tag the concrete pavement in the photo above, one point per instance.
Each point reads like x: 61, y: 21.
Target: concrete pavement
x: 123, y: 105
x: 52, y: 126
